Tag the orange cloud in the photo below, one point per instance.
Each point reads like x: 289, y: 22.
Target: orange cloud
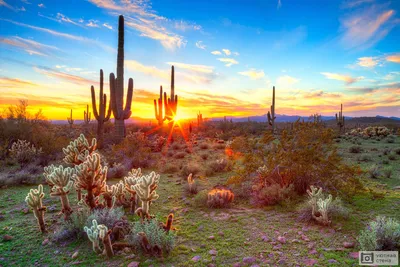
x: 64, y: 76
x: 253, y: 74
x: 29, y: 46
x: 341, y: 77
x: 367, y: 62
x: 229, y: 61
x: 14, y: 83
x: 393, y: 58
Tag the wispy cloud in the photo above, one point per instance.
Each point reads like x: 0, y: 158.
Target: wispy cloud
x: 134, y: 65
x: 229, y: 61
x: 253, y: 74
x: 216, y: 53
x: 63, y: 18
x: 393, y: 58
x: 63, y: 35
x: 279, y: 5
x: 3, y: 3
x: 355, y: 3
x: 107, y: 26
x: 93, y: 23
x: 185, y: 26
x: 26, y: 2
x: 363, y: 29
x: 287, y: 80
x: 199, y: 44
x: 191, y: 67
x: 29, y: 46
x: 41, y: 5
x: 368, y: 62
x: 227, y: 52
x: 64, y: 76
x: 6, y: 82
x: 236, y: 53
x: 341, y: 77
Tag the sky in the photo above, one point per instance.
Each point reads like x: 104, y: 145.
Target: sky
x: 227, y: 55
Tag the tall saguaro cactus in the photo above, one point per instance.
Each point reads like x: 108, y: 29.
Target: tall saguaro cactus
x: 171, y: 103
x: 117, y: 88
x: 87, y: 115
x: 340, y: 119
x: 100, y: 113
x: 271, y: 114
x: 70, y: 120
x: 159, y: 114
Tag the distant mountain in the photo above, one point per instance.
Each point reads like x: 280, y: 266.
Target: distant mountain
x: 279, y: 118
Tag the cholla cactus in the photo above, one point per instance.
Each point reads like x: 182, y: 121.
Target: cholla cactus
x: 93, y: 235
x: 145, y: 189
x: 104, y: 235
x: 109, y: 196
x: 130, y: 181
x: 24, y: 152
x: 34, y: 200
x: 60, y: 181
x: 323, y: 207
x: 314, y: 194
x: 191, y: 184
x: 91, y: 176
x: 78, y: 150
x: 219, y: 197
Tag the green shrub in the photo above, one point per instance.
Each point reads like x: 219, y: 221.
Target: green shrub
x: 365, y: 158
x: 397, y: 151
x: 106, y: 216
x: 383, y: 234
x: 24, y: 152
x: 189, y: 168
x: 387, y: 172
x: 272, y: 195
x: 374, y: 172
x: 73, y: 228
x: 336, y: 210
x: 200, y: 199
x: 355, y: 149
x: 392, y: 157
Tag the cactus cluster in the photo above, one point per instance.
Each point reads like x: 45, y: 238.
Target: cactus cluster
x: 220, y: 197
x: 319, y: 205
x: 78, y: 150
x: 145, y: 190
x: 34, y: 200
x: 340, y: 119
x: 271, y: 114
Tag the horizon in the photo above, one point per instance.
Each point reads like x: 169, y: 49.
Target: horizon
x: 226, y: 61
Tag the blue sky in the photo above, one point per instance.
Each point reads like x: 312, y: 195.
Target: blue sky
x: 227, y: 54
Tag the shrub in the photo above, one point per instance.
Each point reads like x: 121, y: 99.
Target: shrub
x: 170, y: 168
x: 191, y: 185
x: 219, y: 165
x: 106, y: 216
x: 383, y: 234
x: 355, y: 149
x: 190, y: 168
x: 365, y: 158
x: 386, y: 151
x: 387, y: 172
x: 200, y: 200
x: 391, y: 139
x: 176, y: 146
x: 204, y: 146
x: 220, y: 197
x: 73, y: 228
x: 272, y: 194
x: 116, y: 171
x: 397, y: 151
x: 155, y: 235
x: 219, y: 146
x: 19, y: 178
x: 374, y: 172
x: 204, y: 156
x: 180, y: 155
x: 385, y: 161
x: 392, y: 157
x: 24, y: 152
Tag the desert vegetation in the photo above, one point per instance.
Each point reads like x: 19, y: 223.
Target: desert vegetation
x: 211, y: 193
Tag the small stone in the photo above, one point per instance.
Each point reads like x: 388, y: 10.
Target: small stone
x: 277, y: 247
x: 202, y: 246
x: 312, y: 252
x: 7, y: 238
x: 281, y: 262
x: 211, y: 237
x: 45, y: 242
x: 349, y: 244
x: 354, y: 255
x: 196, y: 258
x: 75, y: 255
x: 305, y: 238
x: 332, y: 261
x: 25, y: 211
x: 220, y: 233
x: 249, y: 260
x: 133, y: 264
x: 213, y: 252
x: 282, y: 239
x: 265, y: 238
x: 237, y: 264
x: 201, y: 227
x: 310, y: 262
x: 255, y: 265
x: 211, y: 265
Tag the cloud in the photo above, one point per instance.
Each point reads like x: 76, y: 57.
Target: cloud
x: 253, y: 74
x: 63, y: 76
x: 184, y: 26
x: 6, y: 82
x: 26, y: 2
x: 368, y: 62
x: 63, y: 18
x: 287, y: 80
x: 320, y: 94
x: 393, y: 58
x: 227, y: 52
x: 363, y: 29
x: 191, y: 67
x: 355, y: 3
x: 41, y: 5
x: 199, y: 44
x: 107, y: 26
x: 229, y: 61
x: 216, y: 53
x: 3, y: 3
x: 93, y: 23
x: 149, y: 70
x: 21, y: 9
x: 29, y: 46
x: 279, y: 5
x: 341, y: 77
x: 63, y: 35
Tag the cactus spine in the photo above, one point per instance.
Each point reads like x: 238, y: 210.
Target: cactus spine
x: 159, y: 115
x: 100, y: 114
x: 271, y: 114
x: 70, y: 120
x: 117, y: 88
x: 34, y: 200
x: 171, y: 103
x: 340, y: 119
x: 87, y: 115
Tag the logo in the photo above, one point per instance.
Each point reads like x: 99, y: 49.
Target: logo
x: 366, y: 257
x: 376, y: 258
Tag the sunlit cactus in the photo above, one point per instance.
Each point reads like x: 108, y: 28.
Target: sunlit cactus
x: 145, y: 189
x: 109, y: 196
x: 104, y: 234
x: 271, y: 114
x: 117, y: 88
x: 70, y: 120
x: 93, y: 235
x: 199, y: 119
x: 60, y: 181
x: 91, y: 176
x: 171, y: 103
x: 167, y: 226
x: 78, y: 150
x: 191, y: 184
x: 130, y: 181
x: 34, y: 200
x: 323, y: 207
x: 220, y: 197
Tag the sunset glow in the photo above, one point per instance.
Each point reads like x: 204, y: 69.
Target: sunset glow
x: 226, y: 59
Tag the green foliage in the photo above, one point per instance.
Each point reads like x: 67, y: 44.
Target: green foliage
x: 381, y: 234
x: 387, y: 172
x: 374, y: 171
x: 200, y: 199
x: 106, y: 216
x: 355, y: 149
x: 272, y: 194
x: 155, y: 234
x: 73, y: 228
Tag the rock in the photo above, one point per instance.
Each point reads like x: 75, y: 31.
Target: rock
x: 349, y: 244
x: 7, y: 238
x: 133, y: 264
x: 281, y: 262
x: 196, y: 258
x: 25, y: 211
x: 310, y: 262
x: 213, y: 252
x: 332, y: 261
x: 127, y: 250
x: 201, y: 227
x: 282, y: 239
x: 354, y: 255
x: 45, y: 242
x: 75, y: 255
x: 237, y: 264
x: 305, y: 238
x: 277, y: 247
x: 220, y: 233
x: 211, y: 237
x: 396, y: 188
x: 249, y: 260
x: 211, y: 265
x: 202, y: 246
x: 265, y: 238
x: 255, y: 265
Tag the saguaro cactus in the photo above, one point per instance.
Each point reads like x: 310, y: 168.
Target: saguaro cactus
x: 271, y: 114
x: 340, y: 119
x: 34, y: 200
x: 145, y: 189
x: 87, y: 115
x: 159, y: 112
x: 61, y: 182
x: 199, y: 119
x: 70, y: 120
x: 100, y: 113
x: 117, y: 88
x: 171, y: 103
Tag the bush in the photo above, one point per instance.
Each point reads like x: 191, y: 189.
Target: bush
x: 180, y: 155
x: 116, y: 171
x: 387, y: 172
x: 19, y: 178
x: 355, y: 149
x: 155, y: 234
x: 374, y: 172
x: 190, y: 168
x: 272, y: 195
x: 170, y: 168
x: 204, y: 146
x: 391, y: 139
x: 392, y: 157
x: 220, y: 197
x: 73, y: 228
x: 383, y: 234
x: 397, y: 151
x: 24, y: 152
x: 176, y: 146
x: 200, y: 200
x: 106, y: 216
x: 204, y: 156
x: 219, y: 165
x: 336, y: 210
x: 365, y: 158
